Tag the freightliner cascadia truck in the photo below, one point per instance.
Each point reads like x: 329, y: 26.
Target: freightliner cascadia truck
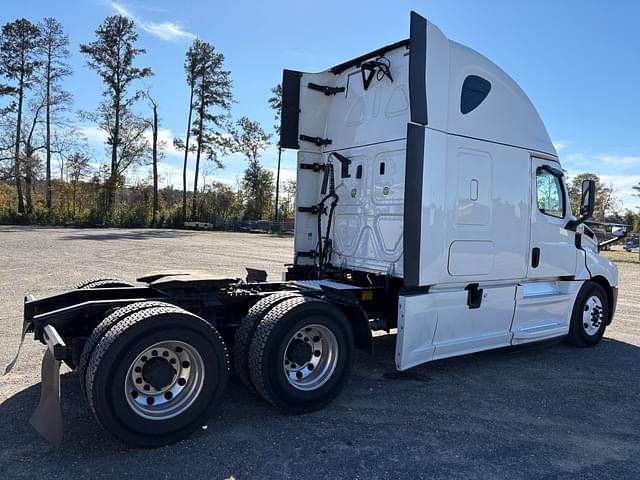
x: 430, y: 202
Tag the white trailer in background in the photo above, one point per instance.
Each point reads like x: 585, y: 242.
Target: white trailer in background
x: 429, y: 200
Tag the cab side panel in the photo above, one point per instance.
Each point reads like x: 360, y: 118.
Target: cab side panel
x: 480, y: 232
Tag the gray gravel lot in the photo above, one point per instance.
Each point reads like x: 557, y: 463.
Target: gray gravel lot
x: 554, y: 412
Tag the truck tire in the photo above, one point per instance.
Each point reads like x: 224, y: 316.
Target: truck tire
x: 301, y: 354
x: 589, y: 317
x: 157, y: 376
x: 101, y: 282
x: 109, y: 321
x: 245, y: 331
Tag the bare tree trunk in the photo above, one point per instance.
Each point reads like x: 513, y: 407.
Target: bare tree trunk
x: 75, y: 186
x: 278, y: 181
x: 28, y: 183
x: 17, y: 169
x: 113, y: 178
x: 186, y: 155
x: 154, y: 219
x: 48, y: 132
x: 194, y: 205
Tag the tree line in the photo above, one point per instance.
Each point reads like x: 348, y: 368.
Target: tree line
x: 39, y: 131
x: 608, y: 207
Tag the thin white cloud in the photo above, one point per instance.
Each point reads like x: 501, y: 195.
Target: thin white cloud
x: 623, y: 189
x: 285, y: 174
x: 166, y: 136
x: 169, y: 175
x: 167, y: 30
x: 93, y: 134
x: 622, y: 171
x: 620, y: 160
x: 561, y: 145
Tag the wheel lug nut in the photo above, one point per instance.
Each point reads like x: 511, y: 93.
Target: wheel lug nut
x: 138, y: 369
x: 138, y: 380
x: 316, y: 339
x: 185, y: 364
x: 317, y: 353
x: 146, y: 387
x: 143, y: 359
x: 154, y: 353
x: 181, y: 382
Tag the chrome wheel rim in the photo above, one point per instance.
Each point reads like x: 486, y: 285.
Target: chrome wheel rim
x: 592, y: 315
x: 164, y: 380
x: 311, y: 357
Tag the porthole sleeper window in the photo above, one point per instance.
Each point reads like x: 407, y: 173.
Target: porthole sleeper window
x: 474, y: 90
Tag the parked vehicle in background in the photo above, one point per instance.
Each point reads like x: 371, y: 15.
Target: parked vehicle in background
x: 631, y: 245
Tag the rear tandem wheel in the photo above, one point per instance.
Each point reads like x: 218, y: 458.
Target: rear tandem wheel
x: 156, y: 376
x: 244, y: 334
x: 301, y: 354
x: 104, y: 326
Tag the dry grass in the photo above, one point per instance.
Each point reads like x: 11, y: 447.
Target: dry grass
x: 622, y: 256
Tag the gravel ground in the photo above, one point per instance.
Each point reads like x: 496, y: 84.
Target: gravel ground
x: 554, y: 412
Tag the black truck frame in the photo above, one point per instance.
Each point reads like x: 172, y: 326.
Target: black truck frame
x: 258, y: 321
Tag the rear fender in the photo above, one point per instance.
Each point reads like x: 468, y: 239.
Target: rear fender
x: 357, y: 317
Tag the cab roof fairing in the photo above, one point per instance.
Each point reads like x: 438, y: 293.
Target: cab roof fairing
x: 506, y: 116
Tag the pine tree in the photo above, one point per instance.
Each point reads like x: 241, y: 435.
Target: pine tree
x: 112, y: 56
x: 212, y: 101
x: 251, y: 140
x: 18, y: 63
x: 54, y: 51
x: 191, y: 67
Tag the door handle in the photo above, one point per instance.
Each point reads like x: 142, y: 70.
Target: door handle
x: 535, y: 257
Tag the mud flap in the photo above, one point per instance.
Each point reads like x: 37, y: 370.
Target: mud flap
x: 15, y: 359
x: 47, y: 419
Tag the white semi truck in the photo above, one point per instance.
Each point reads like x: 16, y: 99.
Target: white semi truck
x: 430, y: 202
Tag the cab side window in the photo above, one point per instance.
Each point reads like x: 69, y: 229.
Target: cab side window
x: 550, y: 195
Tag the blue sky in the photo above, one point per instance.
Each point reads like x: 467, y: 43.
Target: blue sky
x: 579, y: 61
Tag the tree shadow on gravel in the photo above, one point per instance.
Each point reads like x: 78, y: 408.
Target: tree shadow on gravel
x: 128, y: 235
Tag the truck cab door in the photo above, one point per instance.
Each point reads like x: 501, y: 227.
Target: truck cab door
x: 552, y: 252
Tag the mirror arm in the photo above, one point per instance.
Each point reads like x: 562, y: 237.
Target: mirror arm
x: 572, y: 225
x: 612, y: 240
